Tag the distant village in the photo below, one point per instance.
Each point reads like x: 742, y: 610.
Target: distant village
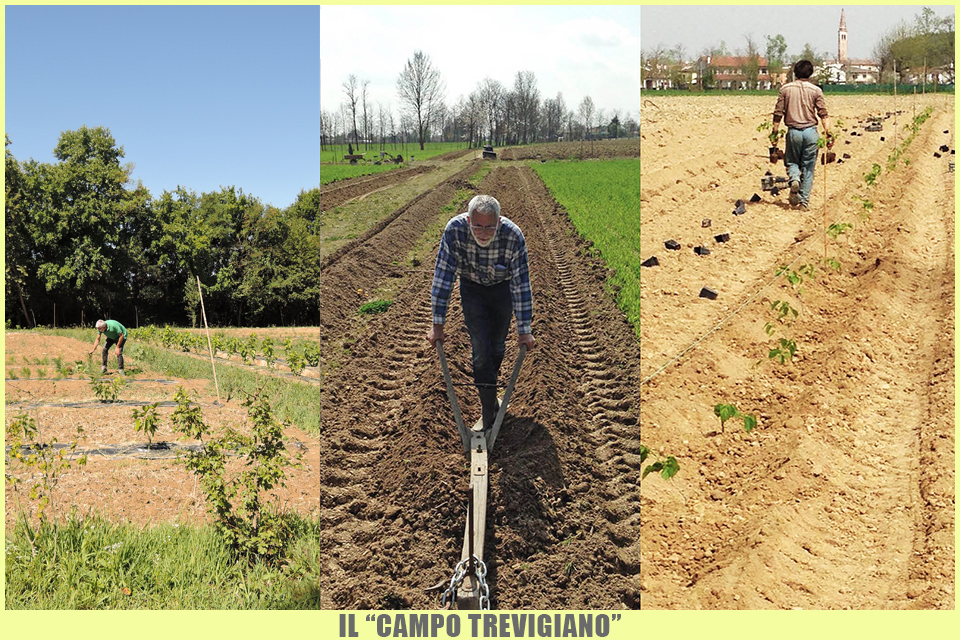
x: 666, y: 70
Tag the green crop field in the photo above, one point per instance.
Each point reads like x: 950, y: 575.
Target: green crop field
x: 333, y: 167
x: 603, y: 200
x: 333, y: 172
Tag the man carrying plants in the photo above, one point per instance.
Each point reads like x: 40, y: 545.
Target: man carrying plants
x: 799, y: 104
x: 489, y: 254
x: 116, y: 334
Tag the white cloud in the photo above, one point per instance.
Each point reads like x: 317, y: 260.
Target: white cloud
x: 567, y: 49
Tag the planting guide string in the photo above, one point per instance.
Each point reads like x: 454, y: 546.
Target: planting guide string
x: 696, y: 342
x: 703, y: 337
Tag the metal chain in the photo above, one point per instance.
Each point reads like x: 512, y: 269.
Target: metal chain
x: 482, y: 582
x: 449, y: 597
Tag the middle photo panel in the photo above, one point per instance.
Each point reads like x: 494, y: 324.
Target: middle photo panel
x: 480, y: 307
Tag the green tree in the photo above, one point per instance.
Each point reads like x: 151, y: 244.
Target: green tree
x: 18, y: 239
x: 776, y: 53
x: 77, y: 209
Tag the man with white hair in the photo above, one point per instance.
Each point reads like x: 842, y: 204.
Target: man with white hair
x: 116, y: 334
x: 489, y: 254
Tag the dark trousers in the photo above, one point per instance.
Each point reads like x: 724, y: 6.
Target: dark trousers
x: 106, y: 351
x: 487, y: 312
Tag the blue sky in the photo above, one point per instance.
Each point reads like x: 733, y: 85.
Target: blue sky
x: 576, y: 50
x: 197, y: 96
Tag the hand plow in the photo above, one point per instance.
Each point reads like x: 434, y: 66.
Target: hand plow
x: 468, y: 588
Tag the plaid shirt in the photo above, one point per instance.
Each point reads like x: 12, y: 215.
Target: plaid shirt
x: 503, y: 259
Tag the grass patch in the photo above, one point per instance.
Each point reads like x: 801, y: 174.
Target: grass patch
x: 375, y: 306
x: 333, y: 172
x: 341, y: 224
x: 603, y: 201
x: 89, y: 563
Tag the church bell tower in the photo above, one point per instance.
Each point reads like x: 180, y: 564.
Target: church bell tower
x: 842, y: 39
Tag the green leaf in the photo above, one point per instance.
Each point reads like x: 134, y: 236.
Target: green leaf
x: 749, y: 422
x: 670, y: 468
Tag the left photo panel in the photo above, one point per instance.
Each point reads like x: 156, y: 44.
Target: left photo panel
x: 162, y: 307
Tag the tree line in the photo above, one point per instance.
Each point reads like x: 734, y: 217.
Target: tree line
x: 911, y: 49
x: 85, y: 242
x: 493, y: 113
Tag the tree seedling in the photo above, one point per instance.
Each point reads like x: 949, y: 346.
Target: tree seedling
x: 837, y: 228
x: 147, y: 420
x: 833, y: 263
x: 106, y: 391
x: 727, y: 411
x: 45, y: 464
x: 666, y: 467
x: 784, y: 352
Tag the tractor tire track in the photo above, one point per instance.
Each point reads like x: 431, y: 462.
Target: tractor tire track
x: 562, y: 524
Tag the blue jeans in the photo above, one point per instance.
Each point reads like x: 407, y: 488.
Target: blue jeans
x: 487, y: 311
x: 800, y: 157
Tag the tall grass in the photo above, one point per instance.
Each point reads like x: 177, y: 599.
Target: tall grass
x: 603, y: 201
x: 89, y: 563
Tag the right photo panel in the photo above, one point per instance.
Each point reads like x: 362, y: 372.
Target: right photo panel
x: 480, y: 309
x: 797, y: 383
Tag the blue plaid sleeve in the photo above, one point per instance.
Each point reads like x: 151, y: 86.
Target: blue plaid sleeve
x: 520, y: 291
x: 444, y: 276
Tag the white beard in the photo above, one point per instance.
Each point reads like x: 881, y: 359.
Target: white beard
x: 485, y: 243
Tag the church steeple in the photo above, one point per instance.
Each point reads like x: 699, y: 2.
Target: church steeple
x: 842, y: 39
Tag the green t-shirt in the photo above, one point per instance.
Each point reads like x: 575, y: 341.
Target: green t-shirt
x: 114, y: 329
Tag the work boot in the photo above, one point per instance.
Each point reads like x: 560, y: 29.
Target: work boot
x: 489, y: 405
x: 794, y: 192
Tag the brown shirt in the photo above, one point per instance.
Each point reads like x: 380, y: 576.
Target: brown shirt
x: 799, y: 103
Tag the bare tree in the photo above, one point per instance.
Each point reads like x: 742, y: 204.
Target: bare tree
x: 554, y: 109
x: 381, y: 124
x: 586, y: 113
x: 527, y: 104
x: 366, y: 121
x: 492, y: 96
x: 420, y: 89
x: 350, y: 89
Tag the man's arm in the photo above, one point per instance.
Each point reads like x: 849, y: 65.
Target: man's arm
x: 444, y: 276
x: 521, y: 294
x: 96, y: 342
x: 777, y: 115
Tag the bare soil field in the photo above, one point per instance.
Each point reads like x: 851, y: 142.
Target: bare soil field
x: 843, y: 496
x: 563, y: 522
x: 123, y: 480
x: 620, y: 148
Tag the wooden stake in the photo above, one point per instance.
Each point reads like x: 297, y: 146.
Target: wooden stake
x: 209, y: 343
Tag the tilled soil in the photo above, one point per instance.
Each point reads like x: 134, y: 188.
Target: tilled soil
x: 123, y: 480
x: 563, y: 521
x: 339, y: 193
x: 369, y: 258
x: 619, y: 148
x: 843, y: 497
